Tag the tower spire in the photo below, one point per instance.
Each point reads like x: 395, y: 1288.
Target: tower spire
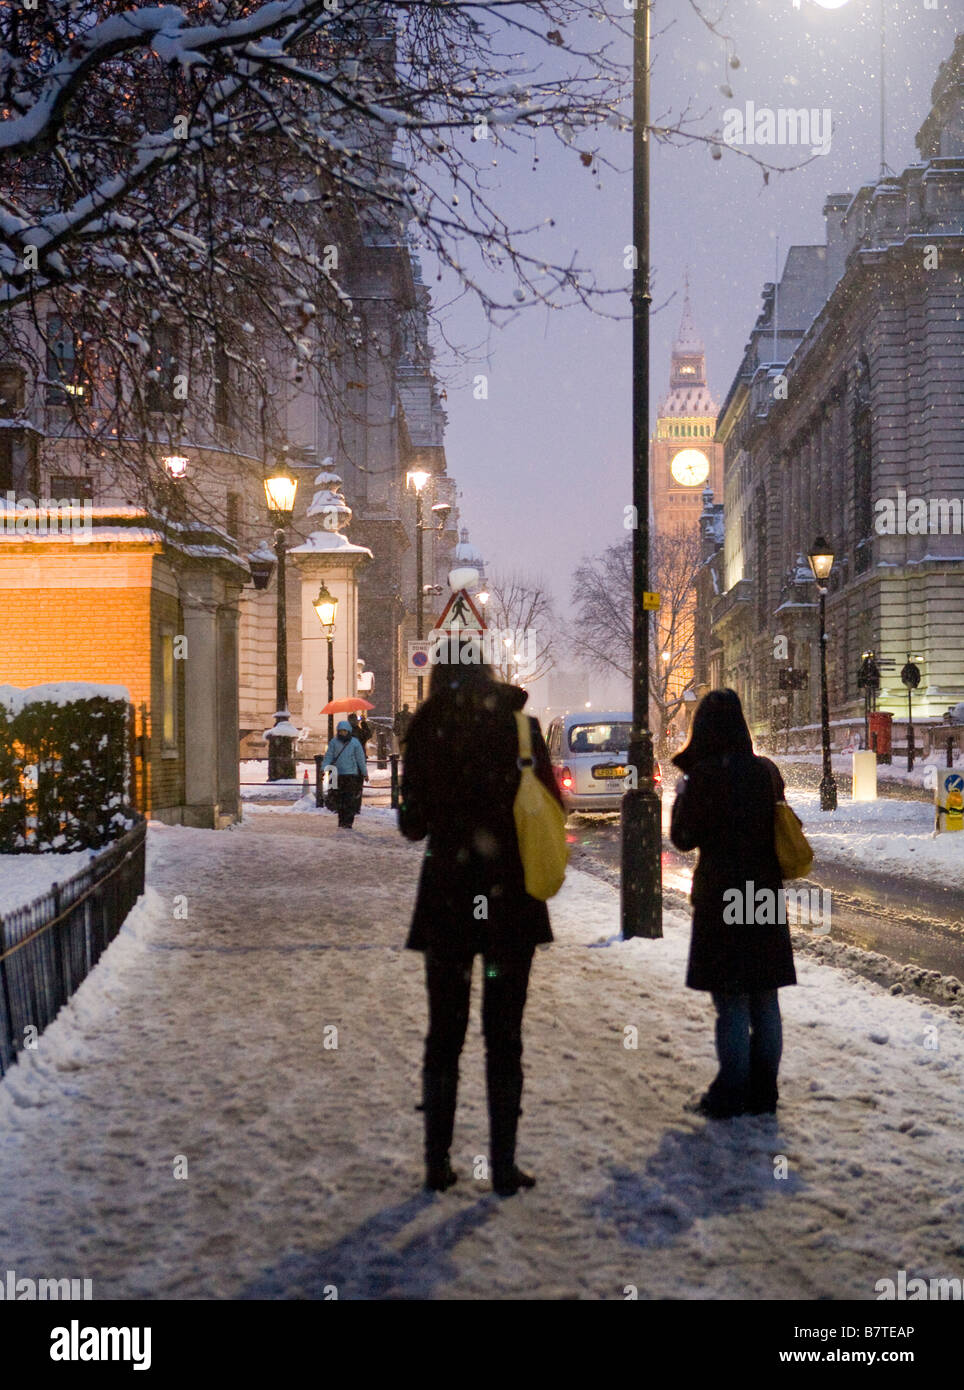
x: 688, y: 339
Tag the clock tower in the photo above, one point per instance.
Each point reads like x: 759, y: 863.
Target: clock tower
x: 683, y: 457
x: 684, y: 460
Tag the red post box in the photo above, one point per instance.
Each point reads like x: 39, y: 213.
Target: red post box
x: 880, y: 734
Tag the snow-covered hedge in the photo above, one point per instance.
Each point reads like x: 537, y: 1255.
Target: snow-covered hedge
x: 65, y: 768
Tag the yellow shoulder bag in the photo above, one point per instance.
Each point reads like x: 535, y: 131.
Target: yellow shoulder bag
x: 540, y: 824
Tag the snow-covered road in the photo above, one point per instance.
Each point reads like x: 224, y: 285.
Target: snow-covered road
x: 198, y: 1046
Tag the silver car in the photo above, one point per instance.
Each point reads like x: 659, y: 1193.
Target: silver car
x: 588, y: 752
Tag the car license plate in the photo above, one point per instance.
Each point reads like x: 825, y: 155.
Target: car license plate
x: 609, y: 771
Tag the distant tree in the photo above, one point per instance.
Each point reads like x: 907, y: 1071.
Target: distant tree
x: 602, y: 631
x: 522, y: 627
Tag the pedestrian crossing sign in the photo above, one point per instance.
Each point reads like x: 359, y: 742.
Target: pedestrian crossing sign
x: 461, y: 614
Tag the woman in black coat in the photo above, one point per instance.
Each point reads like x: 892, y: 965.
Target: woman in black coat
x: 459, y: 782
x: 740, y: 949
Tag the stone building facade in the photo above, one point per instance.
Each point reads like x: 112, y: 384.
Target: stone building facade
x: 850, y: 396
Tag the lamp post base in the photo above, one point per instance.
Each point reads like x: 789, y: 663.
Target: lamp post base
x: 828, y: 793
x: 281, y: 763
x: 642, y: 879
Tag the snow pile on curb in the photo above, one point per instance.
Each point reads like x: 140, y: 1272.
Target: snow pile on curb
x: 895, y: 837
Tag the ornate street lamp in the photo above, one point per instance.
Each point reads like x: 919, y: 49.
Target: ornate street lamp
x: 326, y: 607
x: 279, y: 489
x: 821, y: 563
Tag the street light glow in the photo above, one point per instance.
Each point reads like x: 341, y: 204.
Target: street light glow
x: 279, y: 489
x: 821, y: 560
x: 418, y: 478
x: 176, y: 465
x: 326, y: 606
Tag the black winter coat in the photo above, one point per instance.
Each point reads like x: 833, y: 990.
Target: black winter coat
x: 726, y: 811
x: 459, y: 782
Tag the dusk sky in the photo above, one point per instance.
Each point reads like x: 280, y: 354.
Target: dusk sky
x: 544, y: 463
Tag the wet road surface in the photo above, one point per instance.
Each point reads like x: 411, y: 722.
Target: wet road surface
x: 909, y: 921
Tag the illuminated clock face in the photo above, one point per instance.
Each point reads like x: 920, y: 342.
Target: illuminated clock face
x: 690, y: 467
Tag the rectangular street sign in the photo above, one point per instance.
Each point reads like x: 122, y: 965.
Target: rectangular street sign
x: 650, y: 600
x: 418, y: 662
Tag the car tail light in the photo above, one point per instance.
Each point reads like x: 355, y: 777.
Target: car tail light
x: 565, y: 779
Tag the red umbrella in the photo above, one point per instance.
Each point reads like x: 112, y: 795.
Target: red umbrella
x: 345, y: 706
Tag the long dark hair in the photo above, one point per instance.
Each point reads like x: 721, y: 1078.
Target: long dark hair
x: 453, y: 678
x: 719, y: 729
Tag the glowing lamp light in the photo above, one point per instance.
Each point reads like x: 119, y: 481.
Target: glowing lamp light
x: 326, y: 606
x: 279, y: 489
x: 831, y: 4
x: 821, y: 560
x: 418, y: 478
x: 176, y: 465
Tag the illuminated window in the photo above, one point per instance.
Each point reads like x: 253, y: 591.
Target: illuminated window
x: 65, y: 367
x: 168, y: 692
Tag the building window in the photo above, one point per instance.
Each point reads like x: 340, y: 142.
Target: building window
x: 159, y: 395
x: 223, y: 412
x: 168, y: 692
x: 11, y: 388
x: 66, y: 377
x: 761, y: 558
x: 234, y: 514
x: 6, y: 461
x: 72, y: 485
x: 863, y: 475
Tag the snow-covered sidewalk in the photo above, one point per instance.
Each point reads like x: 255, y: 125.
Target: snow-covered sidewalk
x: 183, y: 1131
x: 883, y: 836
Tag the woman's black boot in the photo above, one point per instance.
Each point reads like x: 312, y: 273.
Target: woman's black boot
x: 439, y: 1092
x: 505, y: 1094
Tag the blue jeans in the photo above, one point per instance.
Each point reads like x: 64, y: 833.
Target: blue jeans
x: 749, y: 1043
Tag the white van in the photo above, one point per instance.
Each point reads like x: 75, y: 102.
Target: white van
x: 588, y: 754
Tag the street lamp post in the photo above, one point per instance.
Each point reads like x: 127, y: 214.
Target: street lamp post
x: 418, y: 478
x: 821, y: 563
x: 910, y: 675
x: 279, y: 489
x: 641, y: 878
x: 326, y: 607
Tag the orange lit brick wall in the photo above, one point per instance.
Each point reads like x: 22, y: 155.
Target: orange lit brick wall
x: 92, y: 616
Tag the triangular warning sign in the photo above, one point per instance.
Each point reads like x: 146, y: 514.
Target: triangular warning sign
x: 460, y: 614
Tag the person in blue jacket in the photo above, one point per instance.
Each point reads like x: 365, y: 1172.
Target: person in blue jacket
x: 347, y: 756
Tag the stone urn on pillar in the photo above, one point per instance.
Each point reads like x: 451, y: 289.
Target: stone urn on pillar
x: 328, y: 558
